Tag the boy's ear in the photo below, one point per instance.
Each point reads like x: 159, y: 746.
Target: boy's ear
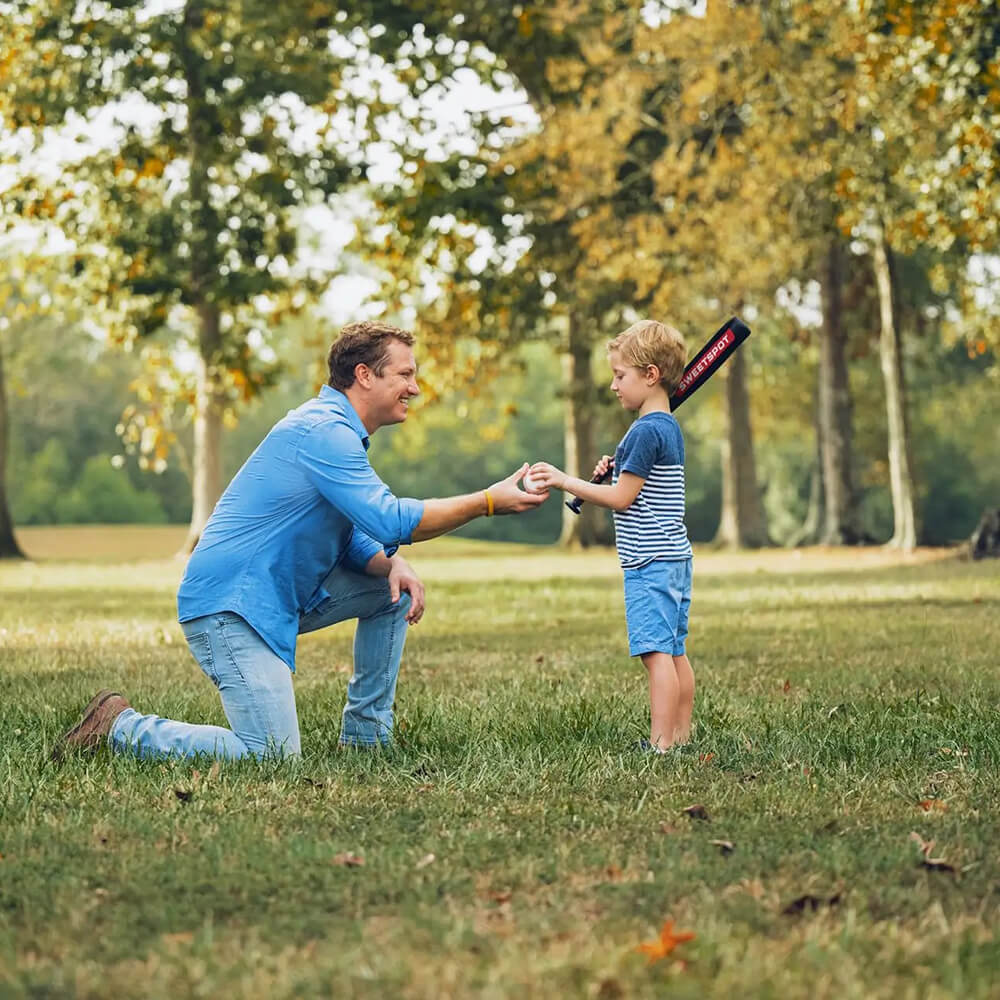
x: 652, y: 374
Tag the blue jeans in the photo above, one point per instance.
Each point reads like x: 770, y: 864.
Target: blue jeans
x: 256, y: 685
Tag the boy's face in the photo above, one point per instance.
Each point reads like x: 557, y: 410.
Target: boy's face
x: 630, y: 384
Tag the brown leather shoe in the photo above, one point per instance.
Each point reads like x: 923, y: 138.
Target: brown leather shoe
x: 93, y: 728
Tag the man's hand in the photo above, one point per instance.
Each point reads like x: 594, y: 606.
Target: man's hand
x: 403, y: 578
x: 548, y: 476
x: 509, y: 498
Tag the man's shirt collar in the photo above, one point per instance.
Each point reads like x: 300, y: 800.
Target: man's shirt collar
x: 343, y: 405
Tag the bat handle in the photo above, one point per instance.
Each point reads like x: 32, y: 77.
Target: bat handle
x: 576, y: 503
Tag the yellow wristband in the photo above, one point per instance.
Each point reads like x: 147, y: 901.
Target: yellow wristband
x: 489, y: 503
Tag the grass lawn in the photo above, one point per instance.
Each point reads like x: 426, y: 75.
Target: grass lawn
x: 510, y: 845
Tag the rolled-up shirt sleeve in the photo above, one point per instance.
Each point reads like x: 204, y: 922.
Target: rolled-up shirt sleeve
x: 361, y: 548
x: 336, y: 463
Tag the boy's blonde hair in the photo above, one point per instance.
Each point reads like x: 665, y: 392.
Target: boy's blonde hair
x: 651, y: 343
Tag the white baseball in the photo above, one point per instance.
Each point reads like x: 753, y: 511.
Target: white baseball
x: 531, y: 484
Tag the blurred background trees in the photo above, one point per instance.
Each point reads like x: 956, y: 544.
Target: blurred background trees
x: 827, y: 171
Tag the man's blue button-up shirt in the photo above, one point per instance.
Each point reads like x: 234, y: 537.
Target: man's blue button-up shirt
x: 305, y: 501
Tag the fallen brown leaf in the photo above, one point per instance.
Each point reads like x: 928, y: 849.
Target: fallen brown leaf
x: 786, y: 687
x: 933, y: 804
x: 931, y: 864
x: 938, y: 865
x: 427, y: 859
x: 809, y: 902
x: 725, y: 847
x: 348, y: 860
x: 696, y: 811
x: 669, y: 939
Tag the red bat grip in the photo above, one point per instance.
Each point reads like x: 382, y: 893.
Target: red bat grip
x: 701, y: 368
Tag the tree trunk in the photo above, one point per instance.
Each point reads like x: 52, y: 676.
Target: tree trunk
x: 9, y: 549
x: 206, y: 480
x: 904, y: 534
x: 840, y: 525
x: 207, y: 457
x: 742, y: 524
x: 583, y: 529
x: 810, y: 529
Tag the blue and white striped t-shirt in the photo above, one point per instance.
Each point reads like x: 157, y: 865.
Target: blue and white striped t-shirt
x: 653, y: 525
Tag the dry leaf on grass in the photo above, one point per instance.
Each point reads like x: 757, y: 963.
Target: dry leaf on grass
x: 427, y: 859
x: 696, y: 811
x: 810, y: 903
x: 938, y: 865
x: 669, y: 939
x: 931, y: 864
x: 933, y: 805
x: 348, y: 860
x: 725, y: 847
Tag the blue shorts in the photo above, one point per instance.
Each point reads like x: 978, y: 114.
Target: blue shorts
x: 657, y: 599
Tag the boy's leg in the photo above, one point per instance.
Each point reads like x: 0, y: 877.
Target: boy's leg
x: 685, y: 698
x: 257, y: 697
x: 378, y: 648
x: 682, y: 665
x: 663, y: 697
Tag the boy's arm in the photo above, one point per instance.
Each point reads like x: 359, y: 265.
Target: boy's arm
x: 618, y: 496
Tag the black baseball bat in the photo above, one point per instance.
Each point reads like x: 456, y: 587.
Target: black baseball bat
x: 699, y: 370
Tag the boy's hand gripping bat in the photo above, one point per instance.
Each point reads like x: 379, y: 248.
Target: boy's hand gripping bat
x: 700, y: 369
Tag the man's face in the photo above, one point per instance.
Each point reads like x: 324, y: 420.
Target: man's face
x: 395, y: 387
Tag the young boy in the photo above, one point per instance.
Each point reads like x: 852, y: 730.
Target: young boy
x: 647, y: 497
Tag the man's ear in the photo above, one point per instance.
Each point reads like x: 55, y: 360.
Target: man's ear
x: 363, y: 375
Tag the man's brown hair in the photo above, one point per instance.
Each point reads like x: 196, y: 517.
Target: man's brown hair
x: 365, y: 343
x: 651, y: 343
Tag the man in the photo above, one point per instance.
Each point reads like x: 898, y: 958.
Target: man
x: 306, y: 535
